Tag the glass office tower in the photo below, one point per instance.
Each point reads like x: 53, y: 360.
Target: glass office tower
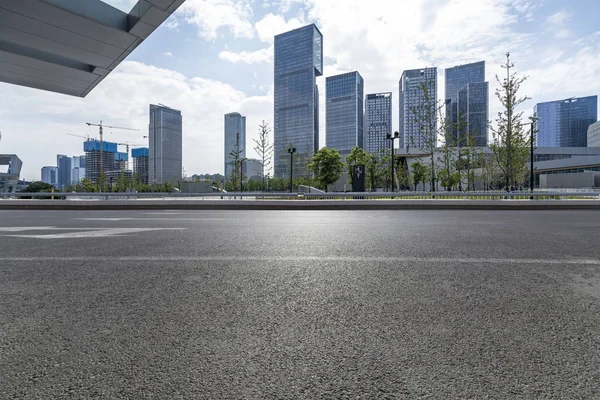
x: 378, y: 121
x: 165, y: 137
x: 475, y: 101
x: 418, y: 94
x: 298, y: 62
x: 235, y: 135
x: 564, y: 123
x: 344, y: 112
x: 473, y: 114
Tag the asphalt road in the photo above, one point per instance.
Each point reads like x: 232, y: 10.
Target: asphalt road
x: 299, y: 304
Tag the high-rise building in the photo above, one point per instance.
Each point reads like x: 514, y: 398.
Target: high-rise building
x: 473, y: 100
x: 140, y: 164
x: 50, y: 175
x: 378, y: 121
x: 64, y: 165
x: 564, y: 123
x: 78, y: 171
x: 344, y: 112
x: 298, y: 62
x: 165, y: 152
x: 235, y: 139
x: 418, y: 95
x: 467, y: 102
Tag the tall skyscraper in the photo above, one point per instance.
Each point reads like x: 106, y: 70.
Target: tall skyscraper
x: 165, y: 137
x: 235, y: 129
x: 64, y: 165
x: 467, y: 102
x: 378, y: 121
x: 564, y: 123
x: 344, y: 113
x: 78, y: 171
x: 473, y: 113
x: 298, y: 62
x: 418, y: 95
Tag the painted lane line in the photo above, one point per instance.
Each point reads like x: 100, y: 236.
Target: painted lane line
x: 96, y: 233
x: 316, y: 258
x: 40, y: 228
x: 103, y: 219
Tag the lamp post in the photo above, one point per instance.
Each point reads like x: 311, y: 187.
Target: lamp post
x: 391, y: 138
x: 291, y: 150
x: 531, y: 178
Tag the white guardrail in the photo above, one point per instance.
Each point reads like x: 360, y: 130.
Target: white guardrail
x: 439, y: 195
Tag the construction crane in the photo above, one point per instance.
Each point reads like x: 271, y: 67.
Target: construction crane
x: 127, y: 144
x: 85, y: 137
x: 100, y: 126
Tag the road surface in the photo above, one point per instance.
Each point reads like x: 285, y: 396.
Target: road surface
x: 299, y: 304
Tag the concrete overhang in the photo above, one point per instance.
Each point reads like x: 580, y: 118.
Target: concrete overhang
x: 70, y: 46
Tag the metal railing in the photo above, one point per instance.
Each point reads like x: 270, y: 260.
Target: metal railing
x: 439, y: 195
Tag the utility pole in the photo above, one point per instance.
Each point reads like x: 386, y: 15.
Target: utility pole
x: 509, y: 148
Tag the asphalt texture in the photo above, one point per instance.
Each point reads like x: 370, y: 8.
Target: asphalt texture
x: 299, y: 304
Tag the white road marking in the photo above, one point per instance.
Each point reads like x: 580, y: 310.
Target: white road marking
x: 96, y: 233
x: 318, y: 258
x: 103, y: 219
x: 40, y: 228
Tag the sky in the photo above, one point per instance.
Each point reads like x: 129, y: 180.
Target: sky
x: 212, y: 57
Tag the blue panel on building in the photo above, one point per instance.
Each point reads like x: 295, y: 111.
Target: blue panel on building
x: 140, y: 152
x: 94, y: 145
x: 121, y: 157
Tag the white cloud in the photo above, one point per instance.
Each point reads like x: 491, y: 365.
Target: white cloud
x: 123, y: 100
x: 212, y: 16
x: 559, y: 18
x: 167, y: 54
x: 248, y: 57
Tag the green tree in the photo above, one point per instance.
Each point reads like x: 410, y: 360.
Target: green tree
x: 356, y: 157
x: 264, y: 149
x: 327, y: 166
x: 38, y: 187
x: 510, y: 143
x: 419, y: 174
x: 374, y: 172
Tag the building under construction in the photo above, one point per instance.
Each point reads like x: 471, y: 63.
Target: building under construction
x: 113, y: 162
x: 140, y: 164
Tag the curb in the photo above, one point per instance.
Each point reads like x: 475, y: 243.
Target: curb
x: 301, y: 205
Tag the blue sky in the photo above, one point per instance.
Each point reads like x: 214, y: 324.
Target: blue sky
x: 215, y: 56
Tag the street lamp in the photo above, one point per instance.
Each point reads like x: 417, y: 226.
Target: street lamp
x: 531, y: 180
x: 391, y: 138
x: 291, y: 150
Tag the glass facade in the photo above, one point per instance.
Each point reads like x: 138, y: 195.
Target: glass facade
x: 565, y: 123
x: 344, y: 111
x: 466, y: 120
x: 378, y: 121
x: 235, y: 124
x: 165, y: 155
x: 417, y: 106
x: 64, y: 165
x: 473, y: 112
x: 298, y: 61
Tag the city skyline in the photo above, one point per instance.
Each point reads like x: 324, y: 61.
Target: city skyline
x: 235, y: 54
